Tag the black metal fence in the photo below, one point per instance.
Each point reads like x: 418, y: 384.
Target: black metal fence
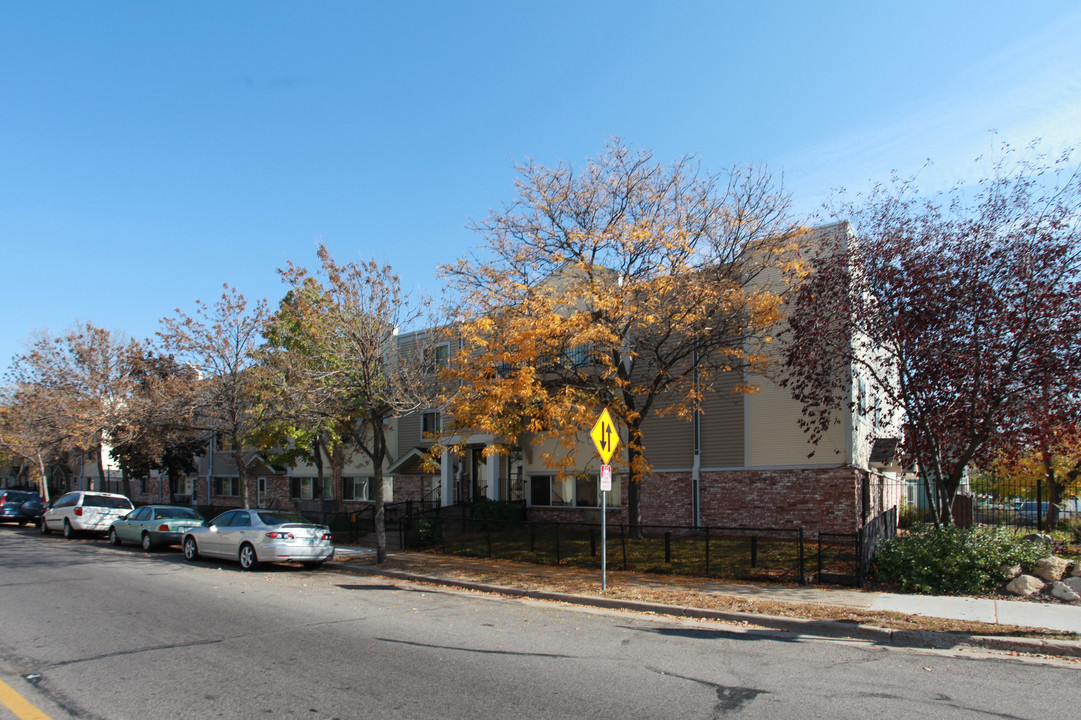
x: 750, y: 553
x: 986, y: 499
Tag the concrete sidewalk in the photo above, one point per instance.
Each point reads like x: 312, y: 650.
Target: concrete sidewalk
x: 1062, y: 618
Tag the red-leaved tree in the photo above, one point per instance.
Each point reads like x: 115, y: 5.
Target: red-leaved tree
x: 962, y: 308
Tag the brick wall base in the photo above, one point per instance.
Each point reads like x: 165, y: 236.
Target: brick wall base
x: 821, y: 500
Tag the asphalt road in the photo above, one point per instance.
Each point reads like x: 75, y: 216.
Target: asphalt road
x: 92, y: 631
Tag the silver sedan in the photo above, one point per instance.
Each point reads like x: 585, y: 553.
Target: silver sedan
x: 255, y: 536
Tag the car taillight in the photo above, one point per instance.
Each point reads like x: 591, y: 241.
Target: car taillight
x: 163, y: 528
x: 79, y: 511
x: 277, y: 535
x: 326, y: 536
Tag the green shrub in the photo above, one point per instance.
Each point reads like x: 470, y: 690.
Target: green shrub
x: 913, y: 515
x: 1071, y: 526
x: 429, y: 530
x: 953, y: 560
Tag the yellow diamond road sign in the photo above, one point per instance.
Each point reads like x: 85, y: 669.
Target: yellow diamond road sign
x: 605, y: 436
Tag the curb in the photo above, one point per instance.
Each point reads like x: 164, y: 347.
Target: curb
x: 818, y: 628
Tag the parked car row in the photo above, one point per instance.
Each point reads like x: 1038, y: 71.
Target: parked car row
x: 248, y: 536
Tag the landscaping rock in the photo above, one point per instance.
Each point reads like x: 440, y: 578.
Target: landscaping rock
x: 1064, y: 592
x: 1025, y: 585
x: 1050, y: 568
x: 1076, y: 570
x: 1074, y: 583
x: 1039, y: 537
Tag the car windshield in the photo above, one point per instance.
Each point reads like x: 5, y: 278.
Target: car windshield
x: 20, y: 496
x: 105, y: 501
x: 176, y: 513
x: 280, y: 518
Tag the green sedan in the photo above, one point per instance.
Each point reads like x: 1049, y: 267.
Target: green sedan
x: 154, y: 525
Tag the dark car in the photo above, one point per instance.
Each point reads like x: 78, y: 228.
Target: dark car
x: 19, y: 506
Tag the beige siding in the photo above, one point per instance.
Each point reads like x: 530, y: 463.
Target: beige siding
x: 775, y: 439
x: 408, y: 435
x: 722, y: 425
x: 669, y: 441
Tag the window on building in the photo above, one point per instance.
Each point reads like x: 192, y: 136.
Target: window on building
x: 515, y: 476
x: 143, y: 481
x: 438, y: 357
x: 431, y: 422
x: 227, y: 486
x: 442, y: 355
x: 586, y: 491
x: 304, y: 488
x: 311, y: 488
x: 580, y: 491
x: 183, y: 486
x: 356, y: 488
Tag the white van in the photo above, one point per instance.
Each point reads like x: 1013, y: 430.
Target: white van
x: 81, y: 511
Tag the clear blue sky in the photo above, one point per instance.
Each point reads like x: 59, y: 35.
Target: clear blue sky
x: 150, y: 151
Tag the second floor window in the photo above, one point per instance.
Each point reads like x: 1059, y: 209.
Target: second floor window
x: 431, y: 423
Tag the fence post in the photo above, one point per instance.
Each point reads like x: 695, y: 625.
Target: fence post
x: 623, y: 542
x: 802, y: 568
x: 707, y: 552
x: 820, y: 556
x: 1039, y: 503
x: 860, y: 569
x: 668, y: 546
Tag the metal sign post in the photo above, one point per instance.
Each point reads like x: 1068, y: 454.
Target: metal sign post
x: 605, y: 438
x: 606, y: 485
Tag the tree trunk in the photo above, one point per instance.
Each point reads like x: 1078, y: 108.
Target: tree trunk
x: 1054, y: 491
x: 44, y: 481
x: 242, y: 472
x: 376, y: 452
x: 125, y: 483
x: 101, y: 468
x: 635, y: 479
x: 379, y: 448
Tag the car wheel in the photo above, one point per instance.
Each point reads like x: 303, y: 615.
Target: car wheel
x: 148, y: 544
x: 69, y: 531
x: 114, y: 539
x: 191, y: 550
x: 248, y: 559
x: 312, y: 564
x: 44, y: 527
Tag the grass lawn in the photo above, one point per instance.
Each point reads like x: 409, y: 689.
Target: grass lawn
x: 729, y: 554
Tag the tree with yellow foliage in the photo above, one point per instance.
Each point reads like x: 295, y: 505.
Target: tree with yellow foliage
x: 626, y: 284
